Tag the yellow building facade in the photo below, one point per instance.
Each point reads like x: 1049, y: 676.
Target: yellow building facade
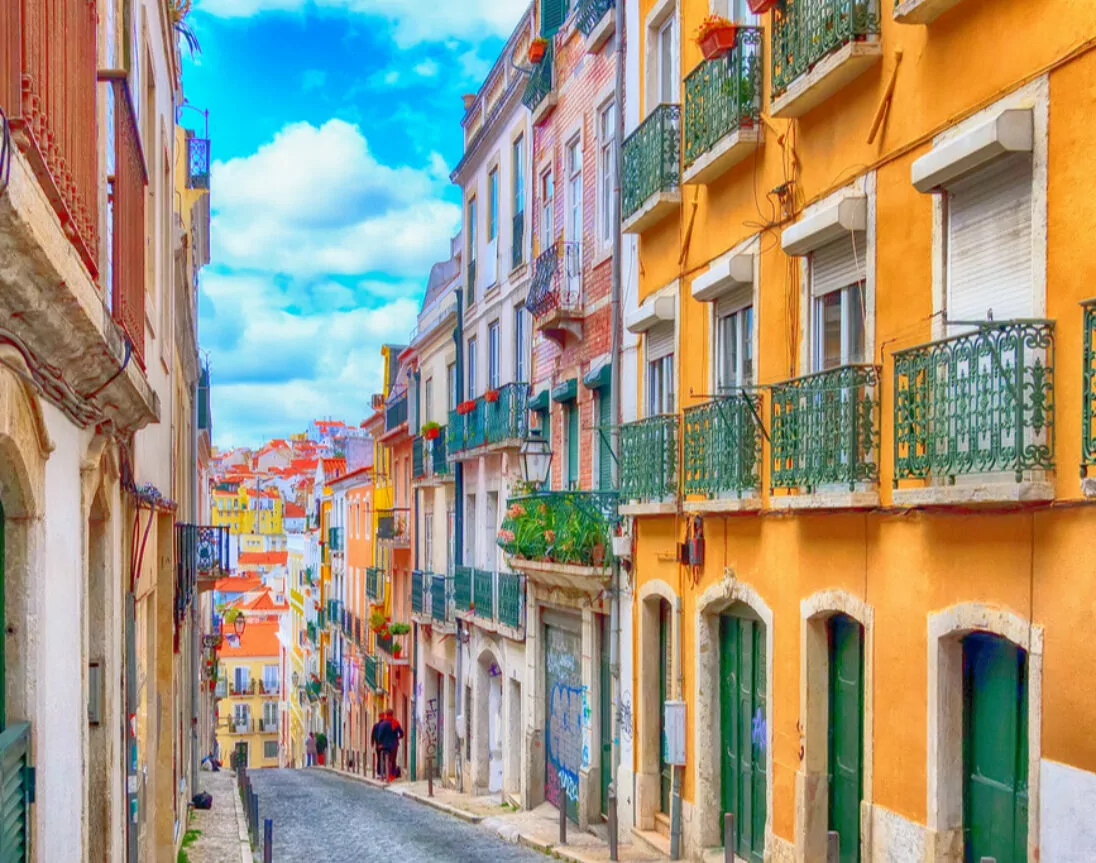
x: 860, y: 560
x: 249, y: 687
x: 245, y: 511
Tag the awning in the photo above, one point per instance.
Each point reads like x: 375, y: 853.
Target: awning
x: 599, y: 378
x: 566, y: 391
x: 539, y: 402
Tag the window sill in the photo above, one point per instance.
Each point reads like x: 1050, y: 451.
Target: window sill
x: 601, y: 32
x: 654, y: 210
x: 727, y: 152
x: 922, y: 11
x: 751, y: 502
x: 831, y: 74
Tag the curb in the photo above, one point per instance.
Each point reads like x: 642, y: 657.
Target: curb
x: 365, y: 780
x: 246, y: 855
x: 437, y: 804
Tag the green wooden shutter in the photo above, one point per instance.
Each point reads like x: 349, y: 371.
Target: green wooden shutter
x: 572, y: 444
x: 664, y: 770
x: 605, y: 455
x: 3, y: 625
x: 728, y: 715
x: 995, y: 749
x: 846, y: 732
x: 606, y: 714
x: 552, y: 15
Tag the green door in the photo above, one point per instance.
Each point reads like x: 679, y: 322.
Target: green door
x: 744, y: 730
x: 995, y: 749
x: 846, y: 732
x: 3, y: 626
x: 665, y: 771
x: 572, y: 444
x: 606, y: 712
x: 604, y: 454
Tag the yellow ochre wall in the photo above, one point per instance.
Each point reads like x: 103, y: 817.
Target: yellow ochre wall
x: 905, y: 565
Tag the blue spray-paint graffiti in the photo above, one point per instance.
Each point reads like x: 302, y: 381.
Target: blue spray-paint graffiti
x: 566, y: 703
x: 757, y: 733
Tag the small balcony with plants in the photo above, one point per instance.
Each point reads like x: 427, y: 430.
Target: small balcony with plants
x: 596, y: 20
x: 721, y: 466
x: 540, y: 93
x: 824, y: 430
x: 974, y: 416
x: 429, y: 456
x: 494, y: 601
x: 649, y: 465
x: 373, y: 672
x: 723, y: 108
x: 818, y: 47
x: 394, y: 527
x: 497, y: 420
x: 555, y: 295
x: 562, y: 539
x: 388, y: 637
x: 651, y: 170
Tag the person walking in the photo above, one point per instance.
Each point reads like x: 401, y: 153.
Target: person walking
x: 310, y: 749
x: 378, y: 736
x: 395, y: 735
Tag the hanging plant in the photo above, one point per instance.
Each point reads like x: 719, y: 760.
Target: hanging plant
x: 465, y: 408
x: 399, y: 628
x: 377, y: 620
x: 537, y: 49
x: 430, y: 430
x: 716, y: 36
x: 491, y: 396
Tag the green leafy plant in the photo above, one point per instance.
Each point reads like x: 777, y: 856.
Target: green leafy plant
x: 557, y: 528
x: 399, y: 628
x: 321, y: 743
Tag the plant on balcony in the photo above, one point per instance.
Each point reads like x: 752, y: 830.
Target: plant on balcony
x: 760, y: 7
x: 566, y: 534
x: 378, y: 622
x: 537, y: 49
x: 430, y: 430
x: 491, y: 396
x: 716, y: 36
x: 465, y: 408
x: 399, y: 628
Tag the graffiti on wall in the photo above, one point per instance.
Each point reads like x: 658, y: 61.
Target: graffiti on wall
x: 568, y: 708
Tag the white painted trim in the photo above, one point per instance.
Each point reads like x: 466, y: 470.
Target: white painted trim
x: 846, y: 214
x: 655, y: 310
x: 750, y: 248
x: 1011, y: 131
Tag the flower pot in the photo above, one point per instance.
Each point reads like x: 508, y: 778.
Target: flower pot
x: 760, y: 7
x: 465, y: 408
x: 491, y: 396
x: 321, y: 757
x: 537, y: 49
x: 718, y: 41
x: 432, y: 433
x: 622, y: 546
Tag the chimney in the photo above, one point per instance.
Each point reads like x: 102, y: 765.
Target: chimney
x: 469, y: 100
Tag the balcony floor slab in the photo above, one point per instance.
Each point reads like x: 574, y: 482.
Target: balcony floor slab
x: 922, y: 11
x: 863, y: 499
x: 601, y: 32
x: 829, y: 75
x: 727, y: 152
x: 654, y: 210
x: 752, y: 503
x: 544, y: 108
x: 666, y: 507
x: 973, y: 493
x: 567, y: 576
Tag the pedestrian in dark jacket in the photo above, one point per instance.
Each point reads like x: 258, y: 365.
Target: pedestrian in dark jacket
x: 378, y: 737
x: 395, y: 735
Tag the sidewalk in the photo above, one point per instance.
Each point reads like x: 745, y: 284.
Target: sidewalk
x: 222, y: 829
x: 537, y: 829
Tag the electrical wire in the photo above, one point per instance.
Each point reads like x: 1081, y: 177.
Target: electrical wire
x: 5, y: 152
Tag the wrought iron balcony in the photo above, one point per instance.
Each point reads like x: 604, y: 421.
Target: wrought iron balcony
x: 335, y: 539
x: 510, y: 600
x: 483, y: 594
x: 540, y: 81
x: 588, y: 14
x: 648, y: 459
x: 560, y: 527
x: 419, y: 598
x: 374, y: 583
x: 491, y: 597
x: 439, y: 599
x: 394, y: 526
x: 197, y: 153
x: 334, y: 674
x: 439, y: 464
x: 1088, y: 394
x: 723, y: 95
x: 395, y: 413
x: 392, y: 645
x: 418, y: 457
x: 462, y: 588
x: 825, y: 429
x: 806, y: 31
x: 557, y: 283
x: 201, y: 557
x: 977, y: 403
x: 373, y: 673
x: 651, y: 159
x: 313, y: 632
x: 496, y: 419
x: 723, y: 446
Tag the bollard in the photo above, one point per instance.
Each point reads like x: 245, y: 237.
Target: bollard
x: 268, y: 840
x: 728, y: 837
x: 611, y: 818
x: 430, y: 776
x: 254, y: 819
x: 833, y: 847
x: 562, y: 817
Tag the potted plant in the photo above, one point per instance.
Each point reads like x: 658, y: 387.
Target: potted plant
x: 760, y: 7
x: 431, y: 430
x: 397, y: 649
x: 399, y: 628
x: 537, y: 49
x: 321, y: 747
x: 491, y: 396
x: 716, y: 36
x: 466, y: 407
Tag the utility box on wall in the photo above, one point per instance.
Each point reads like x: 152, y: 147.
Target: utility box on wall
x: 673, y: 741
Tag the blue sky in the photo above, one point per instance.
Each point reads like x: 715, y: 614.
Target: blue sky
x: 334, y: 126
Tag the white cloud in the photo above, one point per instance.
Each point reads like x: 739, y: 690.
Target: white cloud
x: 411, y: 23
x: 426, y: 69
x: 316, y: 200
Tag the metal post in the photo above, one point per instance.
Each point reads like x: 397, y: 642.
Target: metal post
x: 254, y: 818
x: 728, y: 837
x: 675, y: 815
x: 268, y: 840
x: 430, y: 776
x: 833, y: 847
x: 562, y: 810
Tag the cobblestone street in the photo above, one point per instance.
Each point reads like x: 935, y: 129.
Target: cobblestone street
x: 320, y: 817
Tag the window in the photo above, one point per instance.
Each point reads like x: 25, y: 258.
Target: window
x: 270, y: 678
x: 493, y: 204
x: 470, y: 287
x: 734, y: 344
x: 519, y: 174
x: 427, y: 400
x: 493, y: 355
x: 471, y: 389
x: 520, y: 339
x: 270, y: 749
x: 837, y: 289
x: 736, y: 10
x: 573, y: 447
x: 606, y: 171
x: 573, y: 225
x: 667, y: 79
x: 240, y: 714
x: 660, y: 369
x: 451, y: 383
x: 270, y: 716
x: 241, y: 679
x: 428, y: 541
x: 547, y: 208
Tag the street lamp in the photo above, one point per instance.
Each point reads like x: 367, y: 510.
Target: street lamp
x: 238, y: 624
x: 536, y: 458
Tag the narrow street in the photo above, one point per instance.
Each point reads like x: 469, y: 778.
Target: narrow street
x: 323, y: 818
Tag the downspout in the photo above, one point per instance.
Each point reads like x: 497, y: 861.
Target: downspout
x: 458, y: 538
x: 195, y: 635
x: 413, y: 755
x: 679, y: 675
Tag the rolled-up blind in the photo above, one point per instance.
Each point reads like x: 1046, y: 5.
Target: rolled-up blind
x: 660, y: 341
x: 839, y: 264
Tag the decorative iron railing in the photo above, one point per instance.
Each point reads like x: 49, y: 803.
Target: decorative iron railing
x: 462, y: 588
x: 517, y: 240
x: 557, y: 280
x: 48, y: 65
x: 483, y: 594
x: 651, y: 161
x: 805, y: 31
x: 418, y: 457
x: 439, y: 598
x: 1088, y: 394
x: 419, y: 599
x: 390, y: 644
x: 588, y: 14
x: 648, y: 459
x: 128, y: 207
x: 374, y: 583
x: 439, y: 464
x: 373, y: 672
x: 197, y: 160
x: 539, y: 84
x: 722, y: 446
x: 334, y: 675
x: 510, y: 600
x: 566, y: 527
x: 723, y: 95
x: 825, y: 429
x: 335, y: 539
x: 313, y: 632
x: 503, y: 418
x: 395, y: 413
x: 977, y: 403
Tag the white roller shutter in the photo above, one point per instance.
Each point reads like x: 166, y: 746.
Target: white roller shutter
x: 733, y: 301
x: 839, y: 264
x: 660, y: 341
x: 989, y: 243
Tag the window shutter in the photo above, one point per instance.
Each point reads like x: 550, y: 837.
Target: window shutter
x: 552, y: 15
x: 605, y: 456
x: 989, y: 243
x: 572, y: 444
x: 733, y: 301
x: 660, y: 341
x: 839, y: 264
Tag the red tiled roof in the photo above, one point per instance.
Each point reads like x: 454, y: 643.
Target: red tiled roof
x: 238, y: 584
x: 293, y: 511
x: 262, y: 601
x: 260, y: 638
x: 263, y: 558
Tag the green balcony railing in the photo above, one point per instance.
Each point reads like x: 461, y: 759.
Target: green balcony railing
x: 392, y: 645
x: 475, y: 434
x: 335, y: 539
x: 418, y: 592
x: 373, y: 673
x: 395, y: 413
x: 805, y: 31
x: 334, y: 676
x: 588, y: 14
x: 313, y: 689
x: 511, y: 600
x: 439, y: 464
x: 15, y: 791
x: 462, y: 588
x: 648, y: 459
x: 439, y: 598
x: 565, y: 527
x: 723, y: 95
x: 539, y: 84
x: 825, y: 429
x: 977, y: 403
x: 508, y: 417
x: 374, y: 583
x: 722, y: 448
x: 418, y: 456
x: 651, y: 159
x: 313, y: 632
x: 483, y: 593
x: 1088, y: 394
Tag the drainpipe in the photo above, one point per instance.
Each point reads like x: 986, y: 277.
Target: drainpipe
x: 675, y: 802
x: 458, y: 527
x: 195, y: 634
x: 413, y: 754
